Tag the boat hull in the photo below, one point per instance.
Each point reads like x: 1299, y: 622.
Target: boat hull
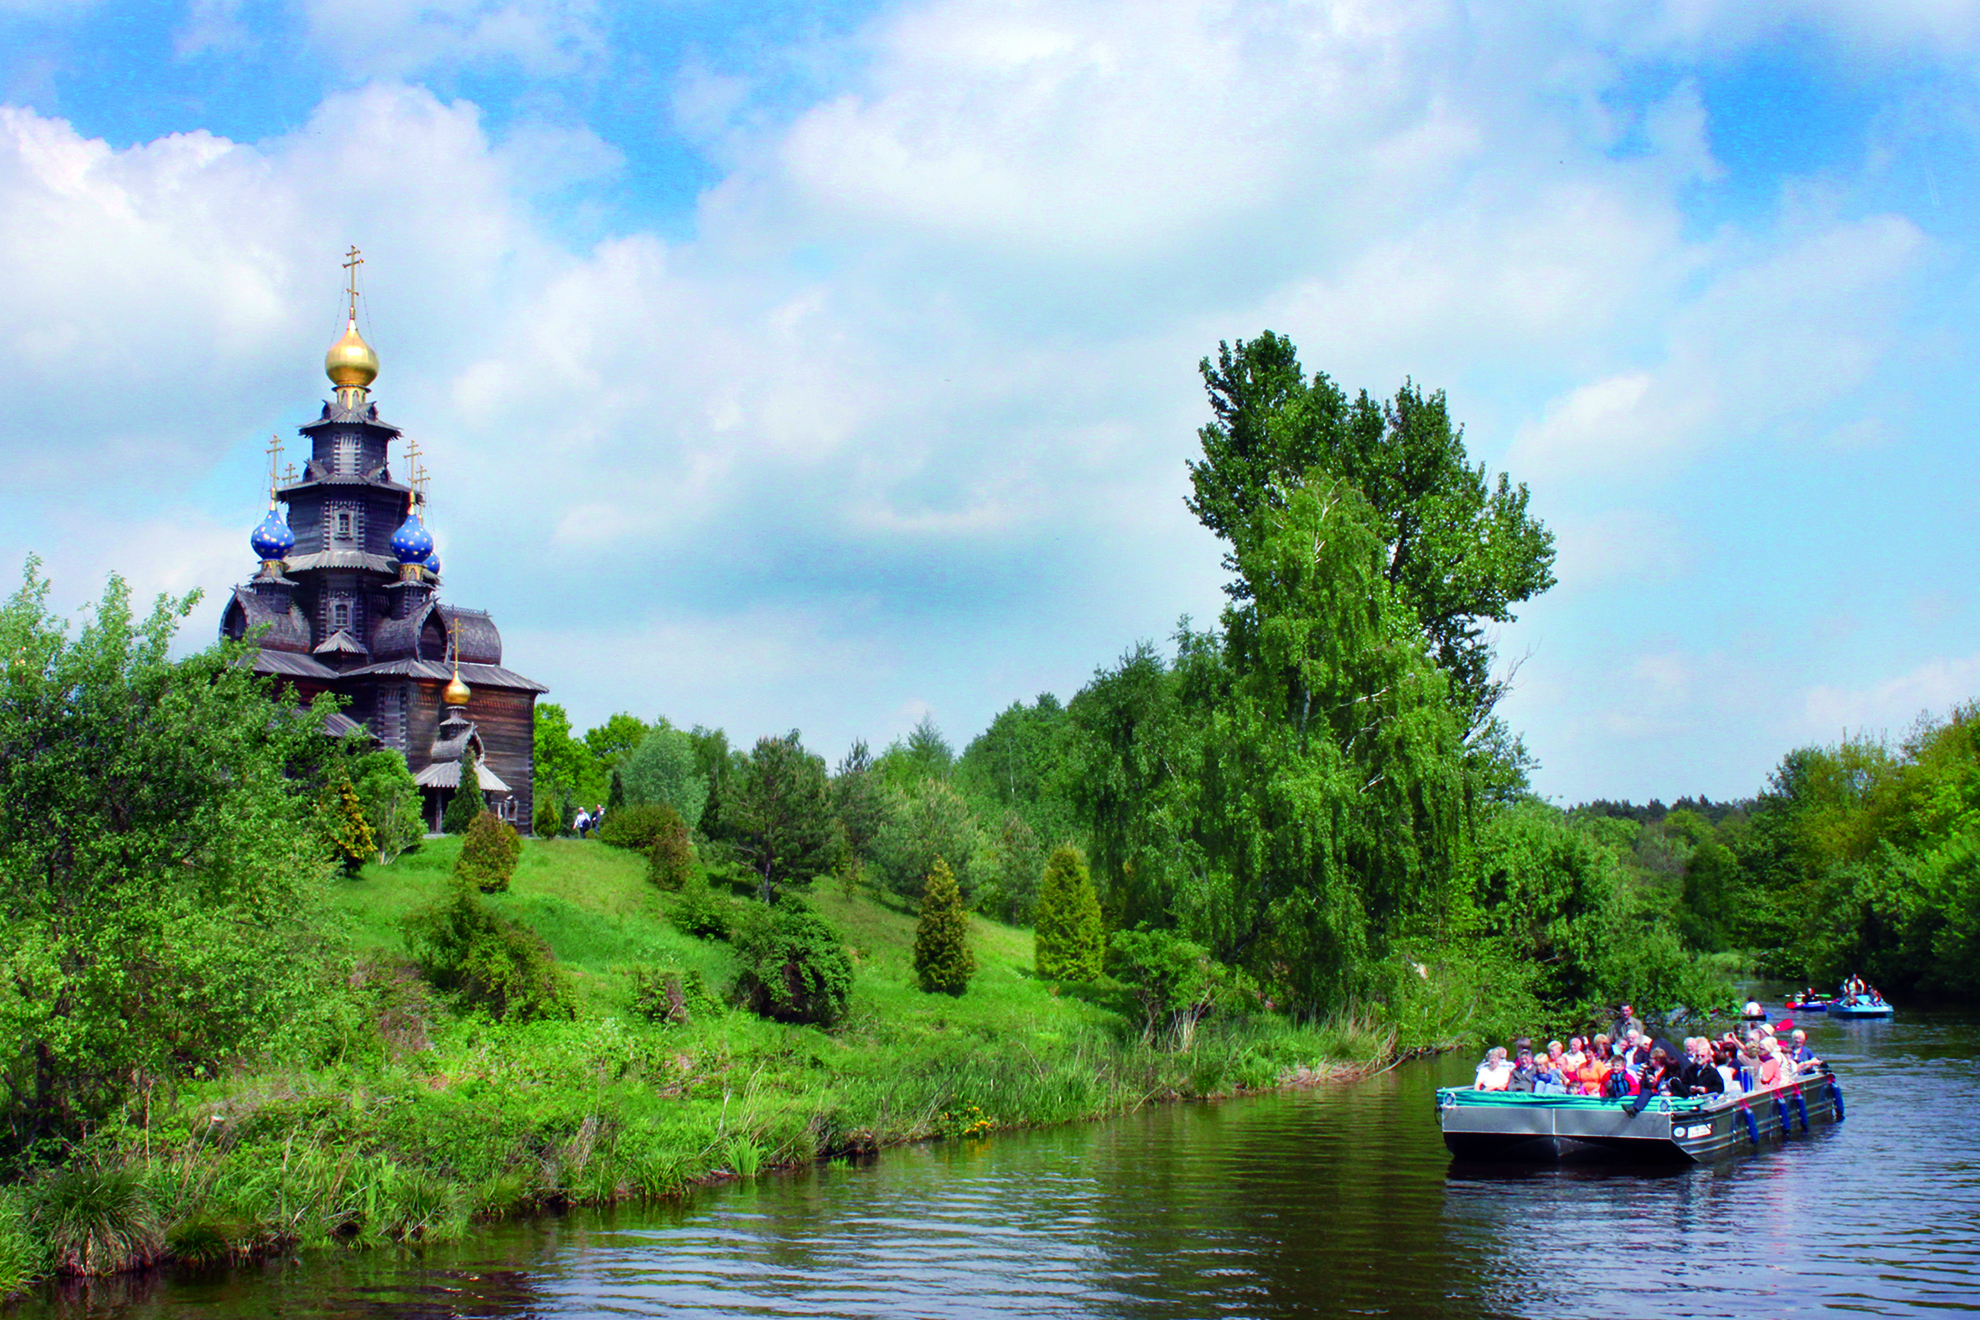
x: 1501, y: 1128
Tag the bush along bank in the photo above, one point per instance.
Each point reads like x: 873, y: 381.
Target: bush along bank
x: 632, y: 1076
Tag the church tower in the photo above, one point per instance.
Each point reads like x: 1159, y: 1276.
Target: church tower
x: 347, y: 601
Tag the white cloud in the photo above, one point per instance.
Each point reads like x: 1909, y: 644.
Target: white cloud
x: 1773, y: 339
x: 935, y: 329
x: 398, y: 38
x: 1933, y: 687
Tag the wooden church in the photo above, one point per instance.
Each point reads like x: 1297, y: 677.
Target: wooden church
x: 348, y: 601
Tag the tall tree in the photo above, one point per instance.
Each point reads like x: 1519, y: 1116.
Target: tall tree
x: 662, y: 769
x: 1459, y: 551
x: 161, y: 883
x: 613, y: 741
x: 780, y: 819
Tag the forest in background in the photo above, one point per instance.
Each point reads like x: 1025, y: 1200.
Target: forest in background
x: 1861, y: 857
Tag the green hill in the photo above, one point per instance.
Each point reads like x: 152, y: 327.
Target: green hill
x: 421, y: 1119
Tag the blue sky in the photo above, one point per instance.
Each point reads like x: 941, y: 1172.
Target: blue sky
x: 829, y: 365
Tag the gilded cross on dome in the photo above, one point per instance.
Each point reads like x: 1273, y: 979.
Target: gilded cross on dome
x: 351, y: 262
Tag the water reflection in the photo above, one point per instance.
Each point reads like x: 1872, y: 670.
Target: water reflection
x: 1332, y: 1202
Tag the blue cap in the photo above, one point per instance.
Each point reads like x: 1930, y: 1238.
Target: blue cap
x: 412, y: 543
x: 273, y: 539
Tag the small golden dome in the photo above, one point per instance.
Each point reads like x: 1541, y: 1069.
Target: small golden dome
x: 456, y: 693
x: 350, y: 360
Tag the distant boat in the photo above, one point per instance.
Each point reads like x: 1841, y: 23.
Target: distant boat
x: 1809, y: 1004
x: 1518, y: 1127
x: 1860, y: 1006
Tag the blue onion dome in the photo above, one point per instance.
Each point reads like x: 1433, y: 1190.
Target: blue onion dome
x: 432, y: 564
x: 412, y: 543
x: 273, y: 539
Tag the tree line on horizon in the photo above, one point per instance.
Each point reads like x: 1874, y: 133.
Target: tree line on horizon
x: 1860, y: 857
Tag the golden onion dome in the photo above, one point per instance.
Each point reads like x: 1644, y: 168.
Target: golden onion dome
x: 456, y: 693
x: 350, y: 360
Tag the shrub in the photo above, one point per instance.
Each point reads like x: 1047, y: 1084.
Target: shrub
x: 1176, y: 981
x: 794, y: 967
x: 1071, y: 941
x: 467, y: 802
x: 636, y: 827
x: 546, y: 822
x: 345, y: 824
x: 391, y: 802
x: 669, y: 994
x: 942, y: 960
x: 702, y: 912
x: 670, y: 861
x: 96, y: 1221
x: 489, y: 854
x: 466, y: 947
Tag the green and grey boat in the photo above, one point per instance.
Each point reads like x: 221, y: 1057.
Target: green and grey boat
x: 1525, y: 1128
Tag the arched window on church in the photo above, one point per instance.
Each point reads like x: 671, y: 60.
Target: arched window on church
x: 340, y: 614
x: 344, y: 529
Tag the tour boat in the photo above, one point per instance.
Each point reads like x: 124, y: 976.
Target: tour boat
x: 1860, y: 1006
x: 1525, y: 1128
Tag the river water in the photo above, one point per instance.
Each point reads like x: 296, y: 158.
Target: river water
x: 1338, y: 1201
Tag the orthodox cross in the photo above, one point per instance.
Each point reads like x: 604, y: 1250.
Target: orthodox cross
x: 454, y: 632
x: 351, y: 263
x: 274, y: 452
x: 415, y: 471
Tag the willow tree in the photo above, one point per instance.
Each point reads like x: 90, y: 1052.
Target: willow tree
x: 1332, y: 785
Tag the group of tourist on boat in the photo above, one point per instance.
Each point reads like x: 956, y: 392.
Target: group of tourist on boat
x: 1858, y: 999
x: 1629, y: 1061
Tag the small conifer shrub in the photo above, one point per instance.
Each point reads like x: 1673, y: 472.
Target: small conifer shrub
x: 489, y: 854
x: 1071, y: 942
x: 344, y: 820
x: 670, y: 861
x: 546, y: 822
x: 942, y: 959
x: 467, y: 802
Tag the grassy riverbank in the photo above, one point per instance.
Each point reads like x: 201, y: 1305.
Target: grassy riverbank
x: 419, y: 1122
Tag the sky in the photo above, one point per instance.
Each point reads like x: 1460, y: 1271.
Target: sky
x: 831, y: 365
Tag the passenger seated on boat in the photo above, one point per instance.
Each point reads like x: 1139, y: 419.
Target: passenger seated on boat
x: 1700, y: 1077
x: 1801, y: 1056
x: 1547, y: 1078
x: 1575, y: 1056
x: 1522, y: 1068
x: 1495, y: 1072
x: 1555, y: 1054
x: 1772, y: 1062
x: 1635, y: 1051
x: 1660, y: 1075
x: 1593, y: 1073
x: 1725, y: 1057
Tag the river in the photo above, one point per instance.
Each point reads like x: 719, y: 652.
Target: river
x: 1337, y: 1201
